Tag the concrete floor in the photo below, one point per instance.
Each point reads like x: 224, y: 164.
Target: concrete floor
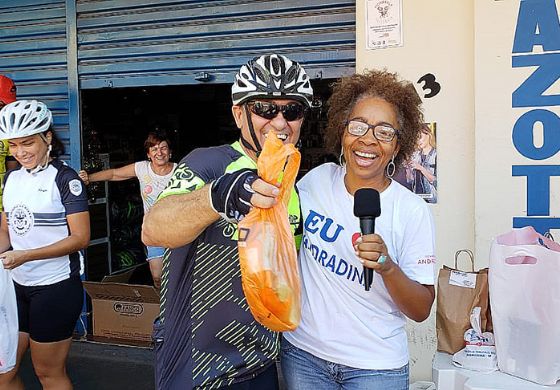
x: 95, y: 366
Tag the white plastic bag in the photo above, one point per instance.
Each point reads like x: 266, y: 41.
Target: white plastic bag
x: 525, y: 302
x: 479, y: 353
x: 8, y: 322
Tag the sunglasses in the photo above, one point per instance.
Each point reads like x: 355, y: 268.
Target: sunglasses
x: 384, y: 133
x: 269, y: 110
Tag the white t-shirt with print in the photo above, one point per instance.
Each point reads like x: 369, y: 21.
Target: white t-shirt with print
x: 37, y: 206
x: 151, y: 184
x: 341, y: 322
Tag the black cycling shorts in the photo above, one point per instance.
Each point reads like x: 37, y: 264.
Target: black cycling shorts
x: 49, y: 313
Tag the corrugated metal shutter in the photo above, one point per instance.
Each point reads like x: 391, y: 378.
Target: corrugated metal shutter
x: 123, y: 43
x: 33, y: 52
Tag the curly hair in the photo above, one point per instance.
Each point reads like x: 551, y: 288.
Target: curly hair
x: 347, y: 91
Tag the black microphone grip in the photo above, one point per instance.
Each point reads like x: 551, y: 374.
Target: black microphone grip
x: 367, y: 206
x: 367, y: 226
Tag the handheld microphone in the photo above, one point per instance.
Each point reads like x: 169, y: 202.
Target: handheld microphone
x: 367, y: 207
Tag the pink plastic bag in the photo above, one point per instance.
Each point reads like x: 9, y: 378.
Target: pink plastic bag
x: 525, y: 301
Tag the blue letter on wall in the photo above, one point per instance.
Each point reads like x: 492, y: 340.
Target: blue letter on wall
x: 523, y: 134
x: 538, y: 186
x: 537, y: 24
x: 532, y: 92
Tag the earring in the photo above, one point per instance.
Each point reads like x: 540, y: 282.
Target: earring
x: 341, y: 159
x: 391, y: 168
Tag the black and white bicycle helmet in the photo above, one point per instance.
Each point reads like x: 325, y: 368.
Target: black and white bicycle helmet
x: 23, y: 118
x: 272, y: 76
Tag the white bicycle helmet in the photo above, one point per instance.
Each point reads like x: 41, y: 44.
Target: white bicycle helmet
x: 272, y: 76
x: 23, y: 118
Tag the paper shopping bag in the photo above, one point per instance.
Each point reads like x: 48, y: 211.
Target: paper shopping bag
x: 458, y: 293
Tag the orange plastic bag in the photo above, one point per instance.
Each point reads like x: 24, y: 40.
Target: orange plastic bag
x: 267, y: 250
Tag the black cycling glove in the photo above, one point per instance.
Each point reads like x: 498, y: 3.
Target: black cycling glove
x: 231, y: 194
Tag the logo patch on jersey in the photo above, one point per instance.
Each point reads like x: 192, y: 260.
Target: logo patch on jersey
x: 75, y: 187
x: 294, y: 219
x: 184, y: 173
x: 21, y: 219
x: 183, y: 180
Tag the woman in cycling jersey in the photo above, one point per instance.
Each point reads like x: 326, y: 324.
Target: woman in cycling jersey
x: 153, y: 176
x: 44, y: 226
x: 352, y: 334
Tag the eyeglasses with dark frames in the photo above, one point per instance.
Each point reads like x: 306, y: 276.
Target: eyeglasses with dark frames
x: 268, y: 110
x: 381, y: 132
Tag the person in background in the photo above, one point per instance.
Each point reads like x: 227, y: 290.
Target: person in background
x: 206, y: 336
x: 350, y: 338
x: 423, y: 166
x: 44, y: 227
x: 153, y: 175
x: 7, y: 162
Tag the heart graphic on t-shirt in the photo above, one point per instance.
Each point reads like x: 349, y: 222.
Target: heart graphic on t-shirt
x: 355, y: 237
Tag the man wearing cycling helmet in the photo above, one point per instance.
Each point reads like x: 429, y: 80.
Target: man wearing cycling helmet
x: 206, y: 336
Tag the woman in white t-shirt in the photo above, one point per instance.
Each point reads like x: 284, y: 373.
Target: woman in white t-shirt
x: 350, y: 338
x: 45, y: 225
x: 153, y: 175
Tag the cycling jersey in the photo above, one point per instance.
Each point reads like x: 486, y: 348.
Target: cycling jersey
x: 36, y: 206
x: 207, y: 337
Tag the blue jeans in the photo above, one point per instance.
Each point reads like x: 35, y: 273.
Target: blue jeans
x: 304, y: 371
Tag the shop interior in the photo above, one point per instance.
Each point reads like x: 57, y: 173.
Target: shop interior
x: 115, y: 123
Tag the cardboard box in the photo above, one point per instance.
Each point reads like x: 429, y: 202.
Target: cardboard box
x: 123, y: 311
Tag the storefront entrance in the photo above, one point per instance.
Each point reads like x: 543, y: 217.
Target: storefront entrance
x: 115, y: 123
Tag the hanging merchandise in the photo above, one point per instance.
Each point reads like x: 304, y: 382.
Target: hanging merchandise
x: 126, y: 258
x: 458, y: 294
x: 267, y: 250
x: 91, y: 162
x: 525, y: 297
x: 126, y: 212
x: 126, y: 236
x: 8, y: 322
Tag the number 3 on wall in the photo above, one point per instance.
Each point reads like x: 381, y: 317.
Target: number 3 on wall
x: 430, y: 84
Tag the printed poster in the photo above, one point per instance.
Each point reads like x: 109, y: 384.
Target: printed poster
x: 383, y: 23
x: 419, y: 173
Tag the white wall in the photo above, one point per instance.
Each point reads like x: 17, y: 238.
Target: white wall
x: 438, y: 39
x: 470, y: 47
x: 500, y: 197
